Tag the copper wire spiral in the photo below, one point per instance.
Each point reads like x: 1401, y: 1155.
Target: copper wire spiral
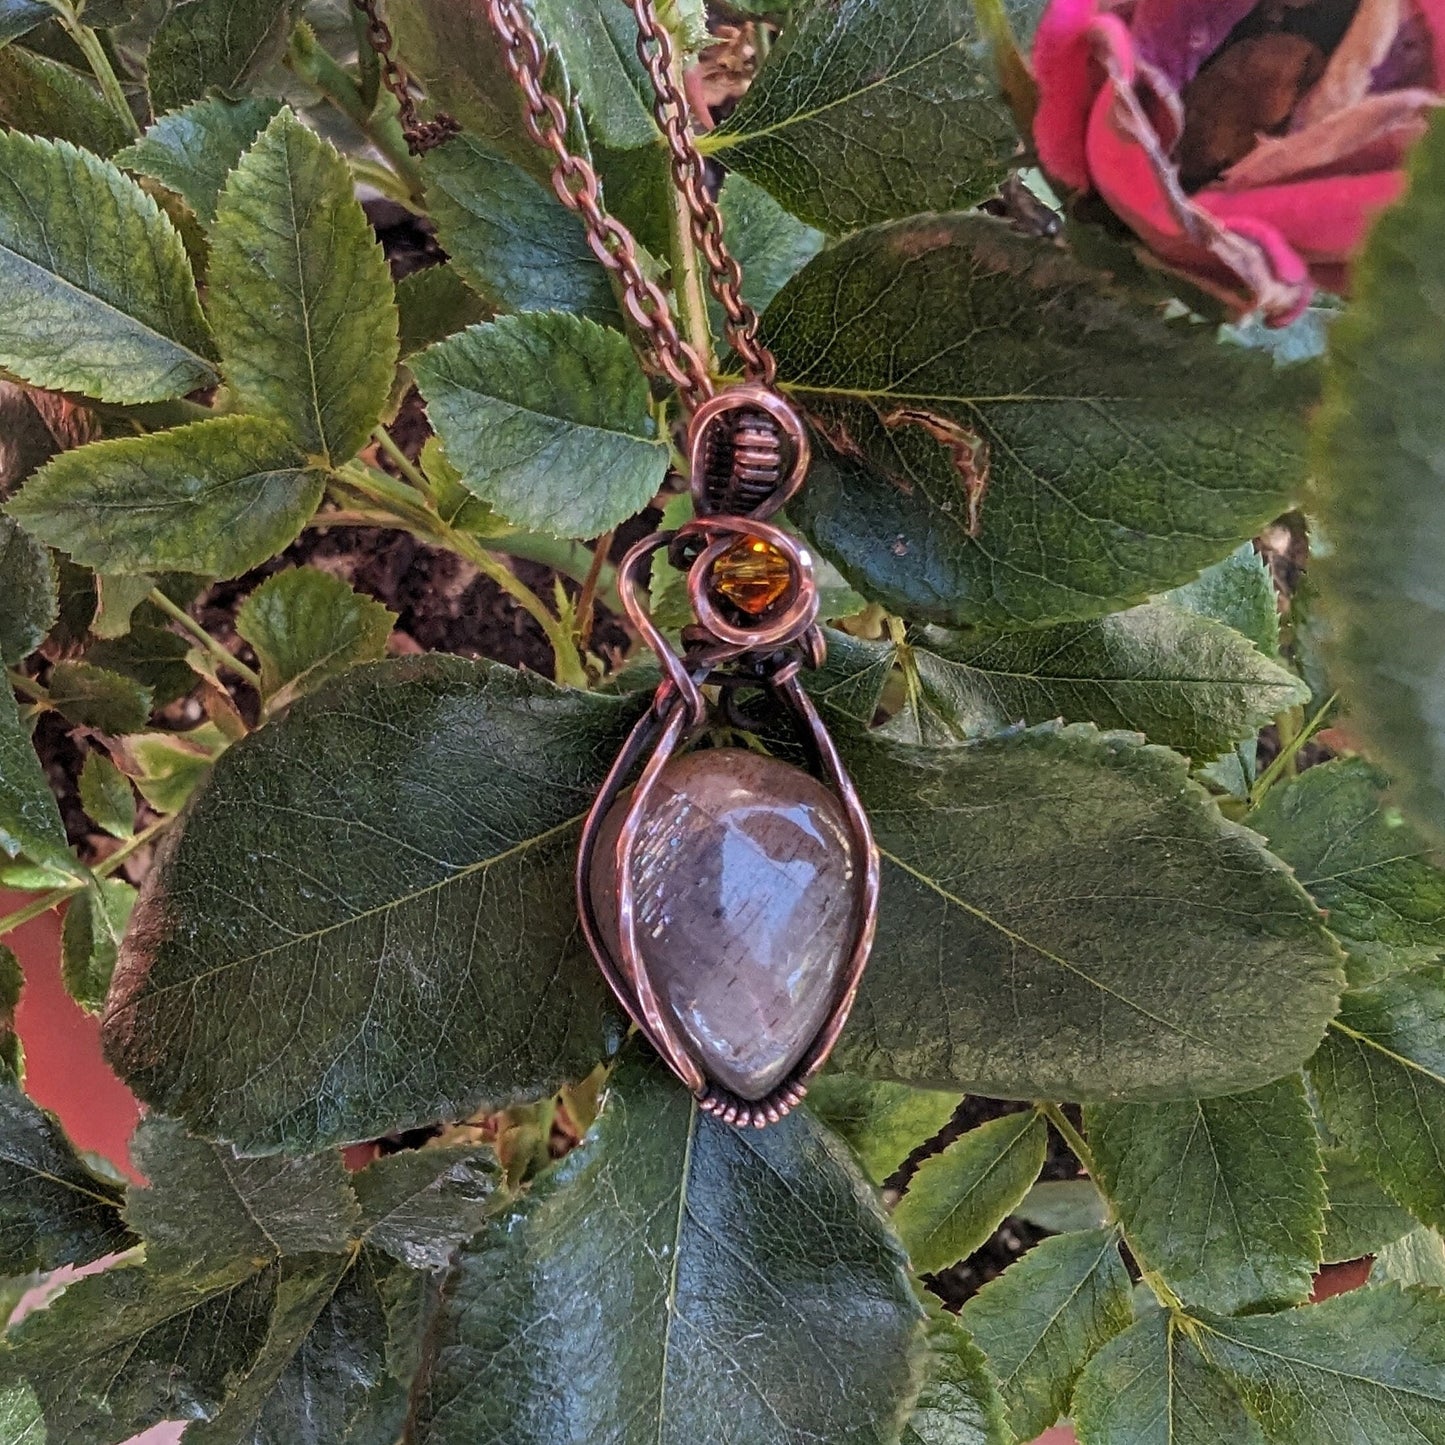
x: 744, y: 464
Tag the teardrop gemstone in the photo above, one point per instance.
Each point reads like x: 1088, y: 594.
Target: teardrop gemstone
x: 745, y: 903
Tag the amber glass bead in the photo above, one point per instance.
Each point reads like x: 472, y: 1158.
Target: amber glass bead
x: 752, y: 575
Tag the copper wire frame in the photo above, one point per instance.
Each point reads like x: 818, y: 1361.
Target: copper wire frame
x: 679, y: 712
x: 744, y: 397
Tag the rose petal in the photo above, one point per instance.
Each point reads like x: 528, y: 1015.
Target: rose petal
x: 1348, y: 75
x: 1246, y: 266
x: 1178, y: 36
x: 1068, y: 80
x: 1324, y: 219
x: 1374, y: 135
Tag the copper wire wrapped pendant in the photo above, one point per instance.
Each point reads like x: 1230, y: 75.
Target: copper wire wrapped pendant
x: 728, y: 896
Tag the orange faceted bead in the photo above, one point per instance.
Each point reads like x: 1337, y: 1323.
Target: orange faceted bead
x: 752, y: 575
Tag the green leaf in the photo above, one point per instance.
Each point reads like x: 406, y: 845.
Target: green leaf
x: 168, y: 767
x: 111, y: 312
x: 1415, y: 1258
x: 597, y: 41
x: 546, y: 417
x: 766, y: 1299
x: 1380, y: 1080
x: 435, y: 303
x: 193, y: 150
x: 205, y: 1205
x: 90, y: 938
x: 1182, y: 680
x: 960, y: 1196
x: 1044, y: 1316
x: 452, y: 53
x: 153, y: 656
x: 300, y: 294
x: 1238, y: 592
x: 1363, y: 1368
x: 29, y: 816
x: 94, y: 697
x: 118, y: 595
x: 224, y: 1323
x: 1361, y: 862
x: 216, y: 497
x: 770, y: 245
x: 29, y: 595
x: 220, y: 43
x: 415, y: 952
x: 884, y: 1123
x: 53, y: 1210
x: 1380, y: 460
x: 44, y: 98
x: 1151, y: 1386
x: 1133, y: 944
x: 1360, y: 1218
x: 1063, y: 1205
x: 1076, y: 455
x: 872, y: 109
x: 959, y: 1404
x: 21, y: 1421
x: 849, y: 685
x: 19, y: 16
x: 1222, y: 1197
x: 420, y: 1204
x: 306, y: 626
x: 510, y: 237
x: 105, y: 794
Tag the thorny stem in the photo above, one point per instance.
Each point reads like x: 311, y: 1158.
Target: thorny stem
x: 308, y: 60
x: 182, y: 618
x: 44, y: 902
x: 99, y: 62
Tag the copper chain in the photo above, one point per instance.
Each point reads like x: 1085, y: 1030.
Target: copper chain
x: 421, y: 135
x: 578, y: 187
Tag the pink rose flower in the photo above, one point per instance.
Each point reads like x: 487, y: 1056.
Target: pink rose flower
x: 1247, y: 143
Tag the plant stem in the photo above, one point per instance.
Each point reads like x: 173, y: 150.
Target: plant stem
x: 687, y: 280
x: 587, y: 602
x: 308, y: 60
x: 568, y: 664
x: 28, y: 686
x: 1071, y: 1136
x: 40, y: 904
x: 99, y: 62
x: 382, y: 178
x: 400, y: 460
x: 54, y: 897
x: 409, y: 509
x: 1284, y: 760
x: 182, y: 618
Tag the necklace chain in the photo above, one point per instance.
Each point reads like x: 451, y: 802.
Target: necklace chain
x: 421, y: 135
x: 578, y: 187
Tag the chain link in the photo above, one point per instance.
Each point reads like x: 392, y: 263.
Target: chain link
x: 725, y: 277
x: 578, y: 187
x: 421, y: 135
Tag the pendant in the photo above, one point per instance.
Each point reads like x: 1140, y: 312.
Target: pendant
x: 728, y: 896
